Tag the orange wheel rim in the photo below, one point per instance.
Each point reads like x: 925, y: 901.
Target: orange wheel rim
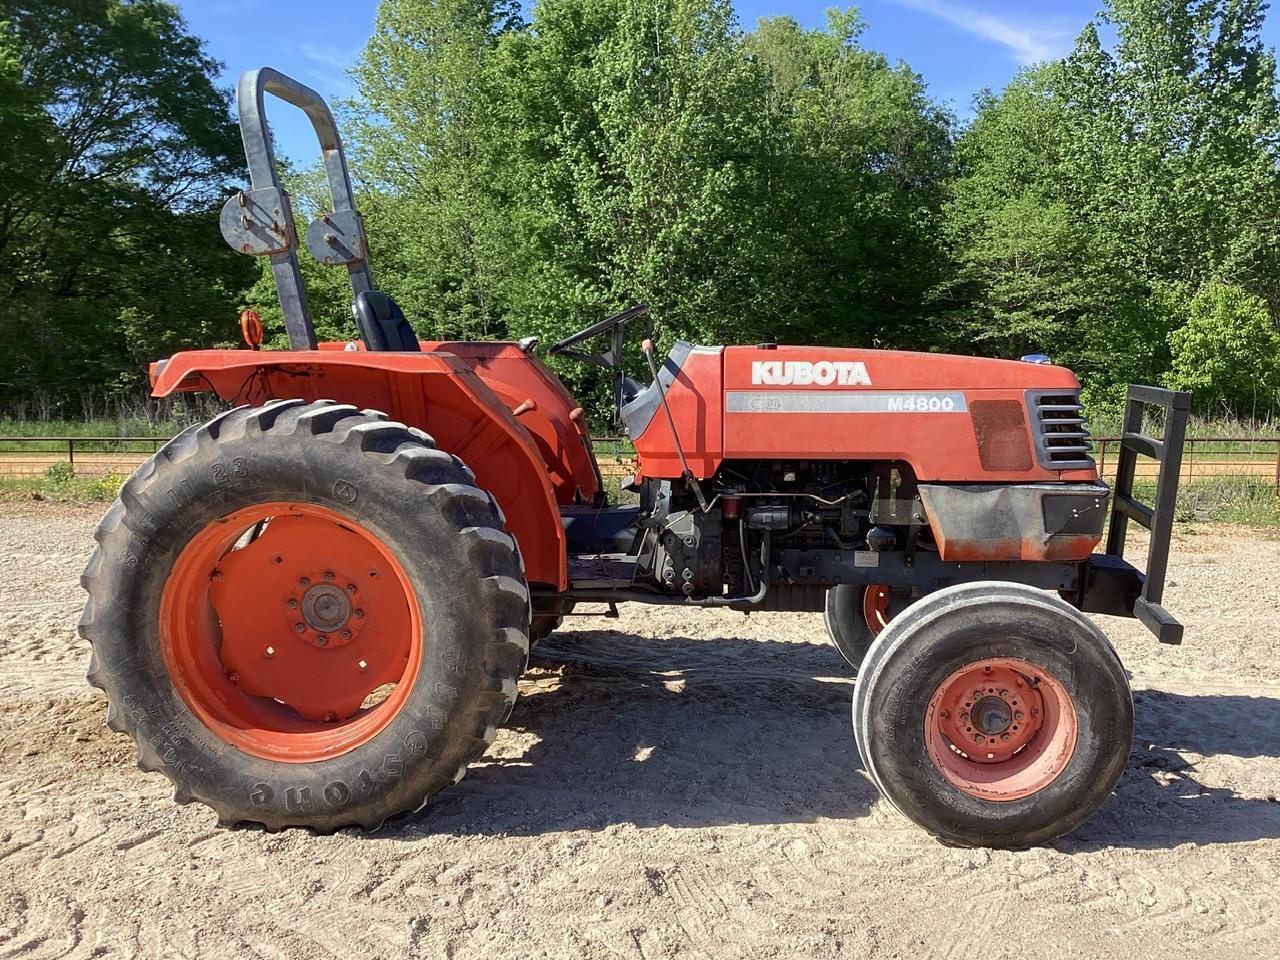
x: 1000, y: 729
x: 291, y: 631
x: 875, y: 607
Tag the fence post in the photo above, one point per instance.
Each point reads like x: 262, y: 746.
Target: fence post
x: 71, y: 454
x: 1278, y: 468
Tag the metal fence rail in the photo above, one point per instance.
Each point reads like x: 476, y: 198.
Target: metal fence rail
x: 1204, y: 457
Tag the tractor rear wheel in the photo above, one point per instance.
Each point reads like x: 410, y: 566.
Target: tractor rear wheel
x: 306, y: 615
x: 993, y: 714
x: 854, y: 615
x: 548, y: 616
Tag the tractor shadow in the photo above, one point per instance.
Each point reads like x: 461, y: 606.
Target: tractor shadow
x: 614, y: 728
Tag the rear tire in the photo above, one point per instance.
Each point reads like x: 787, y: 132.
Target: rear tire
x: 1035, y: 777
x: 334, y: 486
x: 548, y: 616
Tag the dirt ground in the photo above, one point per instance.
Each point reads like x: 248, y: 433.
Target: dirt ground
x: 671, y: 784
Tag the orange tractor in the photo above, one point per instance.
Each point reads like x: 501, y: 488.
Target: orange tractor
x: 313, y: 609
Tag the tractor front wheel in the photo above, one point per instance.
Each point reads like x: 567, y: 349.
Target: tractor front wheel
x: 855, y: 615
x: 306, y: 615
x: 993, y: 714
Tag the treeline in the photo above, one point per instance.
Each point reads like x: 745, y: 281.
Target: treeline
x: 1117, y: 209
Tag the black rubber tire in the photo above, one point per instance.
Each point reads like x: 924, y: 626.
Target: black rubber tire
x: 968, y: 622
x: 548, y: 616
x: 447, y: 534
x: 847, y: 627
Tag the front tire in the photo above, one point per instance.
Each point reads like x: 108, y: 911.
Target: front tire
x: 855, y: 615
x: 306, y: 615
x: 993, y: 714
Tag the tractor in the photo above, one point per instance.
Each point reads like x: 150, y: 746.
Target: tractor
x: 313, y: 610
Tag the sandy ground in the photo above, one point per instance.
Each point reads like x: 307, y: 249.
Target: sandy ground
x: 671, y: 784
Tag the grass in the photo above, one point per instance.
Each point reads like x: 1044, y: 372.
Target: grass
x: 1109, y: 424
x: 1225, y: 499
x: 60, y: 485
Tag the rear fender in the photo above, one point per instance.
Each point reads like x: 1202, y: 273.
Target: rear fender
x: 436, y: 392
x: 544, y: 407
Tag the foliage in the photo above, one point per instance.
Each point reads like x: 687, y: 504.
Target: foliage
x: 1227, y: 351
x: 102, y: 488
x: 1097, y: 193
x: 116, y: 142
x: 528, y: 169
x: 535, y: 177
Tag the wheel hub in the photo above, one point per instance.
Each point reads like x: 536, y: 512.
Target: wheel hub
x: 992, y: 715
x: 1000, y: 729
x: 329, y: 617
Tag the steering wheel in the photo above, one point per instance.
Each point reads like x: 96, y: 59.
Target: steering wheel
x: 611, y: 357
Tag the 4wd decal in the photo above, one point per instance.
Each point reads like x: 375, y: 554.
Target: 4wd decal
x: 803, y: 373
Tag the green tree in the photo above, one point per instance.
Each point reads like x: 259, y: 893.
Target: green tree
x: 854, y: 159
x: 424, y: 137
x: 532, y: 178
x: 1096, y: 188
x: 115, y: 144
x: 1227, y: 352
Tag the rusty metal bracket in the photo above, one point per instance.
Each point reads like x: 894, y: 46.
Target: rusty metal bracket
x: 258, y: 222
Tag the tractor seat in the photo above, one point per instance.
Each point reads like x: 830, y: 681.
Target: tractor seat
x: 383, y: 325
x: 630, y: 390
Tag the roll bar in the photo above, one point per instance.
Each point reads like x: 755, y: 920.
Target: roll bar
x: 259, y: 221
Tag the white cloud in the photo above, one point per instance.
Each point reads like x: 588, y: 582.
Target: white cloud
x: 1028, y: 42
x: 328, y: 56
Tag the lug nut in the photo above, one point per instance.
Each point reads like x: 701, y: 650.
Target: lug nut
x: 351, y: 588
x: 321, y: 641
x: 304, y: 581
x: 292, y: 604
x: 299, y: 628
x: 328, y: 574
x: 359, y: 614
x: 1017, y: 715
x: 346, y: 634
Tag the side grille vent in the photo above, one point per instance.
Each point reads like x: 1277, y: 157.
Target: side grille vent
x: 1057, y: 426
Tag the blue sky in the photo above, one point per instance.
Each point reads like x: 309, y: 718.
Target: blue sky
x: 959, y: 46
